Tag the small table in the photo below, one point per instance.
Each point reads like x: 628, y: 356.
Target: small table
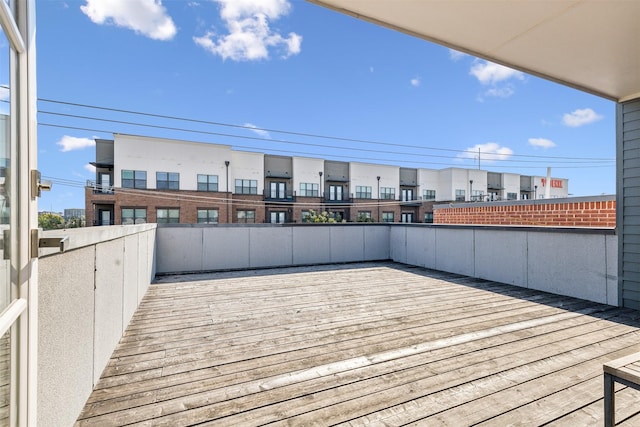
x: 625, y: 370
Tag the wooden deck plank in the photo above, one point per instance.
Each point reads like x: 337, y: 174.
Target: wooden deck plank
x: 490, y: 347
x: 364, y: 343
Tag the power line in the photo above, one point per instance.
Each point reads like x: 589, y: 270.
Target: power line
x: 251, y: 128
x: 297, y: 142
x: 387, y: 159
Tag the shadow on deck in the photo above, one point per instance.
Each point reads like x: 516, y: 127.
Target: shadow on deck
x: 378, y: 343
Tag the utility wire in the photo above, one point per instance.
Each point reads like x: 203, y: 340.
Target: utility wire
x: 386, y: 159
x: 489, y: 156
x: 251, y: 128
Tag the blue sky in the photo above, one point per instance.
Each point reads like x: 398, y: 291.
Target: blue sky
x: 251, y: 68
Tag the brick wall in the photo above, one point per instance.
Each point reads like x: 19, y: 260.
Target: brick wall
x: 591, y: 213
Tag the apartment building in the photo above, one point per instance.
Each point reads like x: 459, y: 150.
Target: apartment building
x: 144, y: 179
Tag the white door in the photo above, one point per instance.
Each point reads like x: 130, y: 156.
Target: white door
x: 18, y: 214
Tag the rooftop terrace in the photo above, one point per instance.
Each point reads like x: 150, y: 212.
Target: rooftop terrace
x: 364, y: 343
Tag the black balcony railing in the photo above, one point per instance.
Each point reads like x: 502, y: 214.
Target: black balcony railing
x: 280, y: 196
x: 338, y: 198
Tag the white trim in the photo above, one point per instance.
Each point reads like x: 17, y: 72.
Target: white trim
x: 11, y: 313
x: 10, y: 28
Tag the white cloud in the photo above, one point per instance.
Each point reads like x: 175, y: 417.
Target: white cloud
x: 415, y: 82
x: 541, y: 142
x: 500, y: 92
x: 580, y: 117
x: 253, y: 128
x: 250, y: 37
x: 491, y: 73
x: 90, y: 168
x: 489, y: 152
x: 456, y: 55
x: 71, y: 143
x: 146, y: 17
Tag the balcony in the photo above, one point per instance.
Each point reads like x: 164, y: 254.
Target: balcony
x: 279, y: 196
x: 344, y: 198
x: 99, y: 188
x: 424, y: 324
x: 415, y: 202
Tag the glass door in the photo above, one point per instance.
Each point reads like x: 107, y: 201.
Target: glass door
x: 18, y: 214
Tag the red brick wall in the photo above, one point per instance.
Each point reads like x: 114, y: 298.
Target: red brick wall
x: 564, y: 214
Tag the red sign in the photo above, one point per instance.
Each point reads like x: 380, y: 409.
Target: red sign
x: 555, y: 183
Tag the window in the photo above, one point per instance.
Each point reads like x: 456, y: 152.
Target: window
x: 477, y: 195
x: 406, y: 217
x: 429, y: 194
x: 207, y: 216
x: 278, y: 190
x: 512, y: 196
x: 387, y: 193
x: 246, y: 186
x: 308, y: 189
x: 134, y: 216
x: 167, y: 216
x: 305, y: 216
x: 246, y: 216
x: 407, y: 195
x: 460, y: 196
x: 428, y: 217
x: 104, y: 186
x: 207, y: 182
x: 167, y: 181
x: 363, y: 192
x: 277, y: 217
x: 335, y: 192
x: 134, y: 179
x: 387, y: 216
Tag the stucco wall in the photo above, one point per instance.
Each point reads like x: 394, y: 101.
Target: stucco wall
x: 570, y: 262
x: 86, y: 298
x: 195, y: 247
x: 573, y: 262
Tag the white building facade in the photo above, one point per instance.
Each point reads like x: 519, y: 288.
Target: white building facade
x: 143, y: 179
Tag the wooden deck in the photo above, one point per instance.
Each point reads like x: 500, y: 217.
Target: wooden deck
x: 359, y: 344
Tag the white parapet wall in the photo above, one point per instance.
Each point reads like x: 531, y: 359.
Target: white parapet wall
x: 86, y: 298
x: 581, y: 263
x: 184, y: 248
x: 578, y: 262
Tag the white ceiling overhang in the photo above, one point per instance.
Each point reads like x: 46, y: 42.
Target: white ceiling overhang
x: 591, y: 45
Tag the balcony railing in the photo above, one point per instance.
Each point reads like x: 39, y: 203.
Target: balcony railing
x: 99, y: 188
x: 286, y: 196
x: 344, y: 198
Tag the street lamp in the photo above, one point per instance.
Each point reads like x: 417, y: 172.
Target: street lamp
x: 535, y: 192
x: 378, y: 178
x: 471, y: 190
x: 320, y: 190
x: 226, y: 163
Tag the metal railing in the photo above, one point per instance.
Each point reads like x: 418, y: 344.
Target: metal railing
x: 99, y: 188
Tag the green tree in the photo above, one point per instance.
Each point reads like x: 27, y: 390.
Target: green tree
x: 50, y: 221
x: 74, y: 222
x: 364, y: 218
x: 319, y: 217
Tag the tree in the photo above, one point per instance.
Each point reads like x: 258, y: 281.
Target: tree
x: 319, y: 217
x: 362, y: 217
x: 50, y: 221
